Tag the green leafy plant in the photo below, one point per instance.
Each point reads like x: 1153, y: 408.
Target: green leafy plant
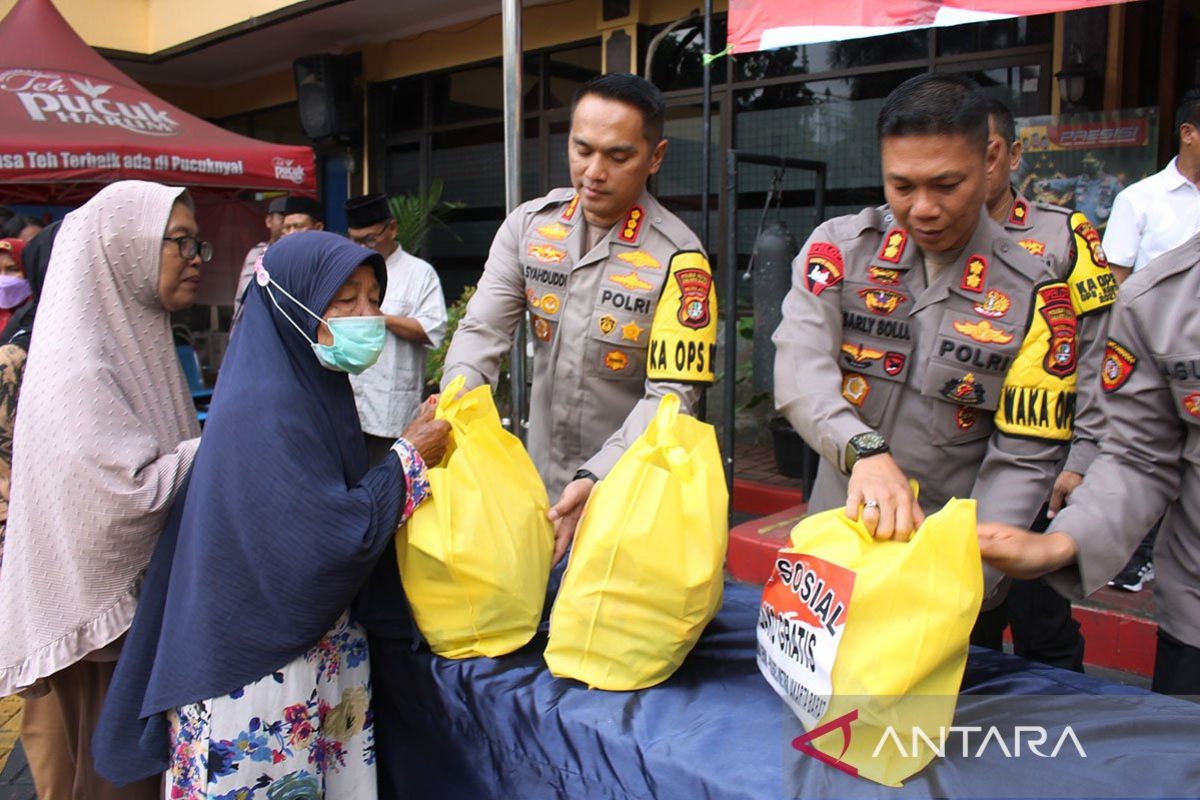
x: 418, y: 214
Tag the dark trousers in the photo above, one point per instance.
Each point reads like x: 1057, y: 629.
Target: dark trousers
x: 1176, y: 667
x: 1043, y: 629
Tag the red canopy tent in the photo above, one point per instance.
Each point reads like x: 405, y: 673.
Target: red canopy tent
x: 71, y: 120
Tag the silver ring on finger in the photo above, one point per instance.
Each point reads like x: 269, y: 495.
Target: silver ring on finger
x: 870, y: 504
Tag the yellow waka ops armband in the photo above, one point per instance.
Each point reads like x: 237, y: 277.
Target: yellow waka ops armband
x: 683, y: 338
x: 1093, y: 286
x: 1038, y: 397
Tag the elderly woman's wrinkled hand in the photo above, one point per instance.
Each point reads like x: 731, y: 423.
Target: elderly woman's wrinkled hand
x: 428, y: 435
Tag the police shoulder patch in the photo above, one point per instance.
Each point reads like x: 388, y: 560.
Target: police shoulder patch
x: 1038, y: 396
x: 1093, y: 286
x: 683, y: 337
x: 823, y: 267
x: 1119, y: 364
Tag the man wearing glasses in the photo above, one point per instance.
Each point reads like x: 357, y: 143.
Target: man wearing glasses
x: 389, y: 393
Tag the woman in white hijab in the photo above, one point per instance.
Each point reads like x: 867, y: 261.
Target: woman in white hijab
x: 105, y: 436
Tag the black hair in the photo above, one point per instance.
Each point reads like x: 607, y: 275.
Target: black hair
x: 935, y: 104
x: 6, y: 214
x: 13, y: 228
x: 1188, y: 112
x: 632, y: 90
x: 1006, y: 126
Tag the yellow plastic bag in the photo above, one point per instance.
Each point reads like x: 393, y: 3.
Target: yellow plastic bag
x: 475, y: 557
x: 645, y: 575
x: 866, y: 640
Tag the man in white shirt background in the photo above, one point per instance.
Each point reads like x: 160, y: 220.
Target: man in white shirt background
x: 1160, y: 212
x: 388, y: 394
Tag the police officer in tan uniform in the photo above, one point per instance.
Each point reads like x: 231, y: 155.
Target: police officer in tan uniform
x: 1043, y: 628
x: 1149, y: 464
x: 619, y: 293
x: 918, y: 341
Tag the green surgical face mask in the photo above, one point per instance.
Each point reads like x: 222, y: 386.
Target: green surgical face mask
x: 357, y: 341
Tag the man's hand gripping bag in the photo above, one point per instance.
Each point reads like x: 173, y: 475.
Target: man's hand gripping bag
x: 645, y: 575
x: 475, y: 557
x: 866, y: 640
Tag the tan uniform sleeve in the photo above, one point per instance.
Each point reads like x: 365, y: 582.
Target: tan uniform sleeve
x: 1093, y: 292
x: 1089, y: 412
x: 486, y: 332
x: 1137, y: 474
x: 808, y: 381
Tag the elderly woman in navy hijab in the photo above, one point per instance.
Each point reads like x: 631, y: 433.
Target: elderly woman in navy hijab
x: 243, y: 674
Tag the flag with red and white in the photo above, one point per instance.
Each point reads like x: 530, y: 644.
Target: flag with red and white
x: 767, y: 24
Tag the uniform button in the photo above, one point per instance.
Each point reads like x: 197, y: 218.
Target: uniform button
x: 658, y: 220
x: 1004, y: 247
x: 888, y: 217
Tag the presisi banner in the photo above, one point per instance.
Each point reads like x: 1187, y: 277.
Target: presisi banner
x: 1082, y: 161
x: 767, y: 24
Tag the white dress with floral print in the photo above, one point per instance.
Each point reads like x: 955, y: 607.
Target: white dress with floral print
x: 316, y: 739
x: 302, y: 733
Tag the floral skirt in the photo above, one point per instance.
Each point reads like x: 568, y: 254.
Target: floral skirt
x: 303, y: 732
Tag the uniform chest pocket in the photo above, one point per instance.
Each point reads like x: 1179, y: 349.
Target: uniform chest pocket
x: 968, y: 359
x: 616, y: 344
x: 1182, y: 373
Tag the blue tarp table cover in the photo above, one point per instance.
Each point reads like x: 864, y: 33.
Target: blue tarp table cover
x: 506, y: 728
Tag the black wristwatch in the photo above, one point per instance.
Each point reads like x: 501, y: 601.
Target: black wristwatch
x: 864, y: 445
x: 583, y: 473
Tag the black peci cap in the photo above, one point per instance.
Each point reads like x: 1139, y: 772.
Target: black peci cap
x: 304, y: 205
x: 367, y: 210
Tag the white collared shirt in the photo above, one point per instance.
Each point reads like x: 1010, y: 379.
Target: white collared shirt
x: 389, y: 393
x: 1152, y: 216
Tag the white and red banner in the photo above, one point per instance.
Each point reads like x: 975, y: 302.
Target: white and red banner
x: 766, y: 24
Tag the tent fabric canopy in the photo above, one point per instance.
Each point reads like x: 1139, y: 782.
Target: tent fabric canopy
x: 767, y: 24
x: 70, y: 119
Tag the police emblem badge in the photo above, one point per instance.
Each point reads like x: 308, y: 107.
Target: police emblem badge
x: 1059, y: 313
x: 1191, y: 404
x: 995, y: 304
x: 860, y: 357
x: 982, y: 332
x: 881, y: 301
x: 608, y: 324
x: 824, y: 267
x: 893, y: 363
x: 615, y: 360
x: 855, y: 389
x: 1119, y: 364
x: 694, y: 287
x: 542, y: 329
x: 963, y: 390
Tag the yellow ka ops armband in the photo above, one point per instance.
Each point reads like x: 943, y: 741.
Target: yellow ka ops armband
x: 1093, y: 286
x: 1038, y: 397
x: 683, y: 339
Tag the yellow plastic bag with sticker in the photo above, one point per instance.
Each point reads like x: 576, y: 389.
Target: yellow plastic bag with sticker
x: 866, y: 640
x: 645, y: 575
x: 475, y: 557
